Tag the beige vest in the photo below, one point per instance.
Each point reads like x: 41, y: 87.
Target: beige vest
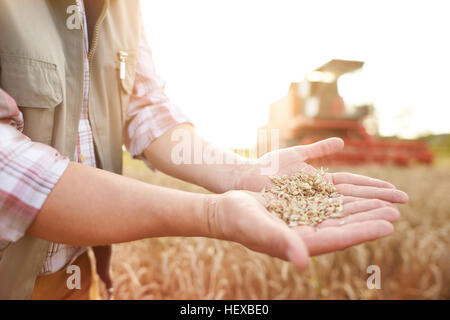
x: 41, y: 67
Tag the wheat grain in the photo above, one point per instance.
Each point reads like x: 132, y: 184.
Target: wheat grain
x: 305, y: 198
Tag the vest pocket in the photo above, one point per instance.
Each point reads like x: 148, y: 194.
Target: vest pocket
x: 36, y: 87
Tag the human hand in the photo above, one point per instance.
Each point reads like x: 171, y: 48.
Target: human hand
x: 241, y: 216
x: 292, y: 160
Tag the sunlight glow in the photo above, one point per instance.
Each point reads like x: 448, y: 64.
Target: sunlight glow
x: 224, y: 62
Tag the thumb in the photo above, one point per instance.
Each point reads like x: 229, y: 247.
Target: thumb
x: 296, y: 251
x: 283, y: 242
x: 321, y: 148
x: 242, y: 218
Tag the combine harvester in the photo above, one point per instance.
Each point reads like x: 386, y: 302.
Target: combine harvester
x: 313, y: 110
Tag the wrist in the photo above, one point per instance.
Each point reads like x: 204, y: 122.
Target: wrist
x: 240, y: 173
x: 209, y: 215
x: 219, y: 212
x: 227, y: 177
x: 244, y: 175
x: 183, y: 214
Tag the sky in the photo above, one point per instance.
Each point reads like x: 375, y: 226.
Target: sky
x: 225, y: 62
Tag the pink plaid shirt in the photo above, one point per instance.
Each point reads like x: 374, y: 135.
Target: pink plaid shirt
x: 29, y: 170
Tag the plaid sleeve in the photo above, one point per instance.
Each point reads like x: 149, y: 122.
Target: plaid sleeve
x: 28, y: 172
x: 150, y: 113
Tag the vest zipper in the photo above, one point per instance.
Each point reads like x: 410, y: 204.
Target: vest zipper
x: 97, y: 24
x: 91, y: 64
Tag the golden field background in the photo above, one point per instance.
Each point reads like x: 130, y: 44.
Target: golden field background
x: 414, y: 261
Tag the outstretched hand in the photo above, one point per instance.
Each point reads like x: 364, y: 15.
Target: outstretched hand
x: 368, y: 206
x: 241, y: 216
x: 293, y: 159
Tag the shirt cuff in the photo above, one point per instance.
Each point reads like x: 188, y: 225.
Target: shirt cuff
x: 28, y: 173
x: 149, y: 124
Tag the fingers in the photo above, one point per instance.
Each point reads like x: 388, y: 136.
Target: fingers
x: 338, y: 238
x: 320, y: 149
x: 365, y: 205
x: 356, y: 179
x: 358, y: 211
x: 350, y: 199
x: 391, y: 195
x: 387, y: 213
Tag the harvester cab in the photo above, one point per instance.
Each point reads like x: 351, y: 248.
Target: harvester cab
x: 321, y: 95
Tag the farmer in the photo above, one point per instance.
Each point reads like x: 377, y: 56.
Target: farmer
x: 77, y: 82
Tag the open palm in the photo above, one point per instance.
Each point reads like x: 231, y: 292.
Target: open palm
x: 368, y: 205
x: 292, y: 160
x: 241, y: 216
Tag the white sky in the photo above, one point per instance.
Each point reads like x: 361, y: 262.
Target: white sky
x: 225, y: 61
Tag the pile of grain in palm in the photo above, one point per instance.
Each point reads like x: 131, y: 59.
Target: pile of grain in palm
x: 305, y: 198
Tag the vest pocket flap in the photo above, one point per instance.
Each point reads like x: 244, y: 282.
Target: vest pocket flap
x: 32, y: 83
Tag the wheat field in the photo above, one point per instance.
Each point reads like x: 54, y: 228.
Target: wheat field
x: 414, y: 261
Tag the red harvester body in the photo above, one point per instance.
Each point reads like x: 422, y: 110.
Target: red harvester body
x: 313, y: 110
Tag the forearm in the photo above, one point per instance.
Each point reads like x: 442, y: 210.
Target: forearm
x: 89, y: 206
x: 207, y: 165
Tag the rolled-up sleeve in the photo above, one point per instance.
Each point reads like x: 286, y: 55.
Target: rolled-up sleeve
x: 28, y: 172
x: 150, y: 113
